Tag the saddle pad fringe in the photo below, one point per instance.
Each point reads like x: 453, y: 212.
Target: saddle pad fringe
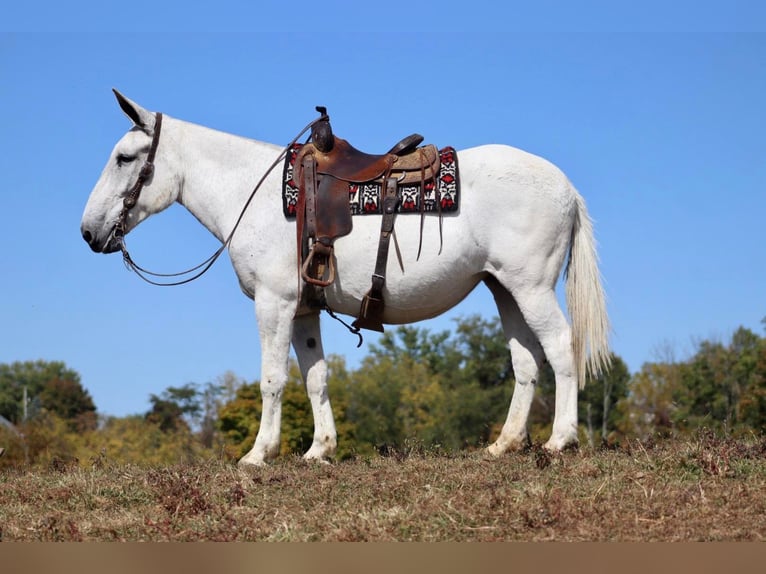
x: 367, y: 198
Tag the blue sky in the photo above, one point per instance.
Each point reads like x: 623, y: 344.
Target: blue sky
x: 657, y: 118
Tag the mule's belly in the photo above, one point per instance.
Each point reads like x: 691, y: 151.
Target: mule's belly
x: 405, y: 301
x: 429, y: 286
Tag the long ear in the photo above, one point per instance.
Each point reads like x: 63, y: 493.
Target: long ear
x: 138, y: 115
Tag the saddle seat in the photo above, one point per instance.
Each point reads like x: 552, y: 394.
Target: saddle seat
x: 405, y: 161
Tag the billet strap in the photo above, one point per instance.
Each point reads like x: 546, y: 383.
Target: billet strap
x: 371, y: 311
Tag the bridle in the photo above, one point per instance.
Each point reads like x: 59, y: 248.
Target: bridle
x: 130, y: 200
x: 147, y: 170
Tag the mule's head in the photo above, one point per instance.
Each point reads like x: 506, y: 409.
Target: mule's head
x: 120, y: 175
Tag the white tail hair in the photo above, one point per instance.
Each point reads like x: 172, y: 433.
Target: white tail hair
x: 586, y: 301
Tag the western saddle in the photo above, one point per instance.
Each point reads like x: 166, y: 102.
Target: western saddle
x: 323, y: 170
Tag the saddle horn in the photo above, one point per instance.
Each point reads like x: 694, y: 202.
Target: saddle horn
x: 321, y: 132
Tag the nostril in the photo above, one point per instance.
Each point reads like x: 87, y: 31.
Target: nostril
x: 86, y: 235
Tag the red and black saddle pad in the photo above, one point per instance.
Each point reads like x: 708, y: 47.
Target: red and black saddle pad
x: 439, y: 196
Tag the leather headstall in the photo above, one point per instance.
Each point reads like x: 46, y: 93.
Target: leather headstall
x: 147, y: 170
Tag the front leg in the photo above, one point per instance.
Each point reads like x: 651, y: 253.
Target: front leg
x: 307, y: 342
x: 275, y: 325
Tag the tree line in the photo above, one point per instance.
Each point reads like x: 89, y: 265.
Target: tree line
x: 444, y: 391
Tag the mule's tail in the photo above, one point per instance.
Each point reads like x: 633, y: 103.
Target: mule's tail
x: 586, y: 301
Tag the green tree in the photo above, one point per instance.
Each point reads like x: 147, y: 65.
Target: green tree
x: 210, y: 399
x: 340, y: 391
x: 722, y: 385
x: 177, y: 407
x: 598, y: 399
x: 71, y: 402
x: 441, y: 388
x: 707, y: 391
x: 50, y: 386
x: 649, y: 408
x: 752, y: 404
x: 483, y: 351
x: 749, y: 372
x: 394, y: 400
x: 136, y: 440
x: 166, y: 414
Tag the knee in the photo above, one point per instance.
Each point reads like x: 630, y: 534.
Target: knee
x: 526, y: 373
x: 526, y: 363
x: 272, y: 387
x: 316, y: 379
x: 525, y: 383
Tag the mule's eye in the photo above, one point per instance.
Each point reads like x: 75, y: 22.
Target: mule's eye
x: 123, y: 159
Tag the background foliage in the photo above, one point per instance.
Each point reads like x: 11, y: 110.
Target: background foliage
x: 416, y: 389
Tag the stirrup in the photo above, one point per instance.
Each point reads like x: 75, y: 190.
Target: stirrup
x: 330, y: 267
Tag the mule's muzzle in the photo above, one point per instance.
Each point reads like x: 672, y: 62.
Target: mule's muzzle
x: 90, y: 240
x: 108, y: 246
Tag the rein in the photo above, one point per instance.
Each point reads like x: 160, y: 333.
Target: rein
x: 147, y: 170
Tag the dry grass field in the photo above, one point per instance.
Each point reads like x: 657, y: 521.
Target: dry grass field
x: 699, y: 489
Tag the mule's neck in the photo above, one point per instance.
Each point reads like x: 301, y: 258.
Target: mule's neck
x: 219, y: 172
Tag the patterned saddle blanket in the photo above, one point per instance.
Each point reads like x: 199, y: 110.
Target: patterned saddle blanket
x: 439, y: 196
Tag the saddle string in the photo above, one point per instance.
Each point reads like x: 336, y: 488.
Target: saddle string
x: 145, y: 274
x: 398, y: 251
x: 439, y: 210
x: 422, y: 203
x: 423, y: 207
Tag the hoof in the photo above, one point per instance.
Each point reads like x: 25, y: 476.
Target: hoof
x: 321, y: 453
x: 561, y: 446
x: 497, y: 449
x: 494, y: 450
x: 316, y: 456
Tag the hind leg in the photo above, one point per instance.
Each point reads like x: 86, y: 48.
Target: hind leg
x: 527, y: 357
x: 307, y: 342
x: 546, y: 320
